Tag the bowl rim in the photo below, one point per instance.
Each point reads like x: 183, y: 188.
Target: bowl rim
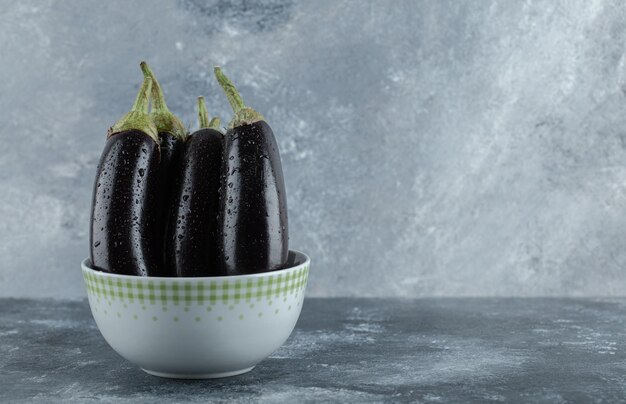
x: 85, y: 265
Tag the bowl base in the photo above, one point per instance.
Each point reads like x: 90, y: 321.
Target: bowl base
x: 197, y: 375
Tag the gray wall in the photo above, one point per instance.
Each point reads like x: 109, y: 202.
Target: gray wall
x: 429, y: 147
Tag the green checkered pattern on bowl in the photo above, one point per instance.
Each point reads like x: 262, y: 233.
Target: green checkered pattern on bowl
x: 155, y: 291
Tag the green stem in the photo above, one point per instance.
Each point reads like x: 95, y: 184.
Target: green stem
x: 243, y: 115
x: 203, y: 115
x: 215, y: 124
x: 143, y: 97
x: 163, y: 118
x: 138, y: 118
x: 235, y: 100
x: 158, y: 99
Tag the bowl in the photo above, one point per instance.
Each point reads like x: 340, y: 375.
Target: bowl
x: 197, y: 328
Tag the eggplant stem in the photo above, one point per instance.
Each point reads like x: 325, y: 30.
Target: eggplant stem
x: 138, y: 118
x: 215, y: 124
x: 163, y: 118
x: 142, y: 102
x: 203, y: 114
x: 158, y: 99
x: 235, y: 100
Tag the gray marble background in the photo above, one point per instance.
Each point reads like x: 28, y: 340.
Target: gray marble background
x: 430, y: 148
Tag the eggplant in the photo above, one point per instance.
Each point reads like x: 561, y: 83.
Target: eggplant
x: 252, y: 225
x: 172, y: 135
x: 124, y: 227
x: 191, y: 247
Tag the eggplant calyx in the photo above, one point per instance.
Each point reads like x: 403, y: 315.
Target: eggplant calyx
x: 165, y: 123
x: 138, y: 118
x: 243, y: 115
x: 163, y: 118
x: 215, y: 124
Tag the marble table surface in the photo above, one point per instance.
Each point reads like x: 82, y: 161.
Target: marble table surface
x: 345, y: 350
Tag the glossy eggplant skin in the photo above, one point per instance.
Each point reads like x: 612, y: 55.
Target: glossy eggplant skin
x: 191, y: 247
x: 171, y: 149
x: 252, y: 224
x: 124, y: 227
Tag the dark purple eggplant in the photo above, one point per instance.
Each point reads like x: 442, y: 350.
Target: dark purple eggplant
x: 252, y: 223
x: 191, y: 247
x: 172, y: 135
x: 124, y: 228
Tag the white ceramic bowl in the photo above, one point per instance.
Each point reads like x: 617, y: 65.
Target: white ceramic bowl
x: 197, y: 327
